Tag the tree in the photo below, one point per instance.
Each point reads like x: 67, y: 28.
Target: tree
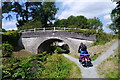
x: 74, y: 22
x: 81, y: 22
x: 48, y: 11
x: 61, y: 23
x: 22, y: 10
x: 6, y: 8
x: 44, y: 12
x: 94, y: 23
x: 115, y: 16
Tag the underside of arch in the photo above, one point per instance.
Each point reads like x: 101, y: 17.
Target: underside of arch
x: 46, y: 45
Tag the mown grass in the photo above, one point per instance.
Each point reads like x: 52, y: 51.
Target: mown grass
x: 57, y: 66
x: 109, y: 68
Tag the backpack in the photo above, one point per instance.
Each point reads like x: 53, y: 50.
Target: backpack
x: 83, y: 47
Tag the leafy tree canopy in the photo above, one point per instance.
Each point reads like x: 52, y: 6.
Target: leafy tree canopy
x: 25, y: 11
x: 115, y: 16
x: 79, y: 22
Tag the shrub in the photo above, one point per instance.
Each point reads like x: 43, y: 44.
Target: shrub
x: 26, y: 68
x: 102, y: 38
x: 7, y: 50
x: 2, y: 30
x: 11, y: 37
x: 86, y: 31
x: 31, y: 25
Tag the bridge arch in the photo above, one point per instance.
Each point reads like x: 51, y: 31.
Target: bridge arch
x: 46, y: 43
x: 33, y: 44
x: 32, y: 41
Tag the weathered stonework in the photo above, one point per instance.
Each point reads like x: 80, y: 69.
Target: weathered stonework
x: 31, y: 41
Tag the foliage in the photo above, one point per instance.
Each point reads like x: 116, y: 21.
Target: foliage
x: 2, y: 30
x: 79, y: 22
x: 25, y: 11
x: 47, y: 12
x: 94, y: 23
x: 38, y: 66
x: 60, y: 49
x: 58, y: 66
x: 25, y: 68
x: 115, y: 17
x: 61, y: 23
x: 42, y: 56
x: 7, y: 50
x: 21, y: 69
x: 102, y: 38
x: 31, y: 25
x: 87, y: 31
x: 11, y: 37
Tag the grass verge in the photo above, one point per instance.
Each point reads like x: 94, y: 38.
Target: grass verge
x: 109, y: 67
x: 57, y: 66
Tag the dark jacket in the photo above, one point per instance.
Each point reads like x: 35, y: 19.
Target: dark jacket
x: 82, y: 47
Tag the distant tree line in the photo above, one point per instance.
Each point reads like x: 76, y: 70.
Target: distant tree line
x: 41, y: 14
x: 80, y: 22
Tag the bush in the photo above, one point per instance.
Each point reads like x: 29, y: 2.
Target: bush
x: 31, y: 25
x: 26, y: 69
x: 86, y: 31
x: 102, y: 38
x: 2, y: 30
x: 7, y: 50
x: 11, y: 37
x: 60, y: 49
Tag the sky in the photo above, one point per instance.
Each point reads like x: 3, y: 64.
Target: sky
x: 87, y: 8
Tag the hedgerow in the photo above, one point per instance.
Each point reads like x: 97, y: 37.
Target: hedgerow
x: 11, y: 37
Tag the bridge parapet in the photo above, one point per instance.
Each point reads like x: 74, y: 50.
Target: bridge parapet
x: 59, y: 34
x: 51, y: 29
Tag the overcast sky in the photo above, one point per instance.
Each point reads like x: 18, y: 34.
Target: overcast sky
x: 87, y: 8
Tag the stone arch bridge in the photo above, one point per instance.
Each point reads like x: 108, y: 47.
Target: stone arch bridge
x: 32, y: 41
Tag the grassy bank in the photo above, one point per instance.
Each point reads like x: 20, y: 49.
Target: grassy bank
x: 109, y: 68
x: 57, y: 66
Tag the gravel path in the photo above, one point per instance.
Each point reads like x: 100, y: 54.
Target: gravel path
x: 91, y: 72
x: 106, y: 54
